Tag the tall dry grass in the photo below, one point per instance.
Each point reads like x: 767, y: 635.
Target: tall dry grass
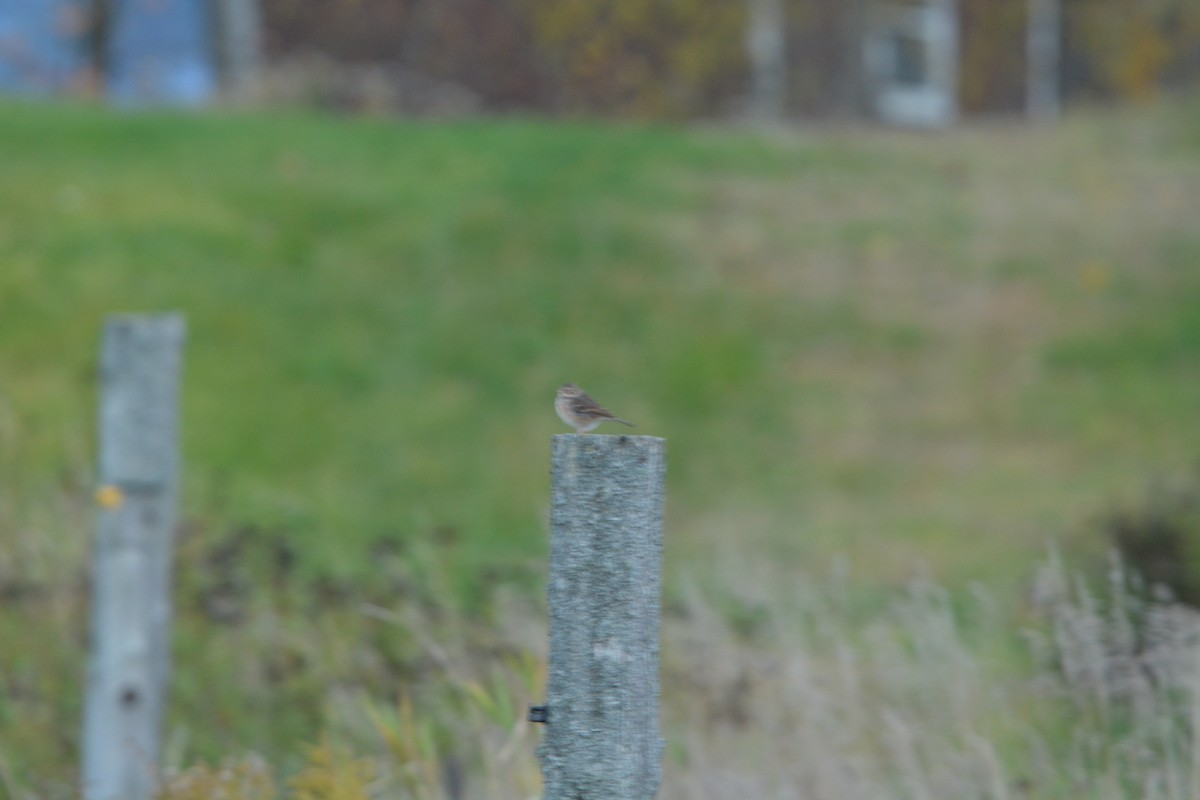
x: 790, y: 687
x: 1078, y: 692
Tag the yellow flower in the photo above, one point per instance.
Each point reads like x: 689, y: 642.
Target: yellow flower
x: 109, y: 497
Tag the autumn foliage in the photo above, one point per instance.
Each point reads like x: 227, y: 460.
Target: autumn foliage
x: 686, y: 58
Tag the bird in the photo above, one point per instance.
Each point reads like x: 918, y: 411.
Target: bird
x: 581, y: 412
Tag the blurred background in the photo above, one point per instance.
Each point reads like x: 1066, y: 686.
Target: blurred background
x: 629, y: 58
x: 911, y: 289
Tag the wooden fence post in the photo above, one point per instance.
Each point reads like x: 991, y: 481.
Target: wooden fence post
x: 602, y: 737
x: 140, y: 361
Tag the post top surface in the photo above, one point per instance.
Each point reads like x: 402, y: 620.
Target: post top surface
x: 567, y: 437
x: 173, y: 321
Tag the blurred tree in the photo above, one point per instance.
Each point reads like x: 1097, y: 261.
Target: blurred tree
x: 642, y: 57
x: 237, y: 30
x: 687, y: 58
x: 825, y: 56
x: 992, y: 66
x: 765, y: 46
x: 484, y: 45
x: 1125, y: 50
x: 1043, y: 37
x: 481, y: 44
x: 1131, y: 50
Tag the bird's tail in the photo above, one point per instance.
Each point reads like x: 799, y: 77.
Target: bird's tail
x: 624, y: 422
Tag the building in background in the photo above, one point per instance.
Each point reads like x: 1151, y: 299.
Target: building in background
x: 911, y: 55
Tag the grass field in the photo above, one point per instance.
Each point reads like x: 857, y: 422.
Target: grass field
x: 915, y: 355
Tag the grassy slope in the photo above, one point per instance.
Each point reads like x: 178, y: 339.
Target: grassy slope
x: 939, y: 349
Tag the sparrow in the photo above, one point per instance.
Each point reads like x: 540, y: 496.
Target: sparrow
x: 581, y: 412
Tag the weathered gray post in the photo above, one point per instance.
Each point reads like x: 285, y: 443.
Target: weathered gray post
x: 140, y: 362
x: 602, y: 738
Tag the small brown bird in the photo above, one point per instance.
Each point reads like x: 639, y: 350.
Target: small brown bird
x: 581, y: 412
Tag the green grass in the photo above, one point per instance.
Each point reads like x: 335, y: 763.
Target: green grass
x: 903, y: 350
x: 376, y: 310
